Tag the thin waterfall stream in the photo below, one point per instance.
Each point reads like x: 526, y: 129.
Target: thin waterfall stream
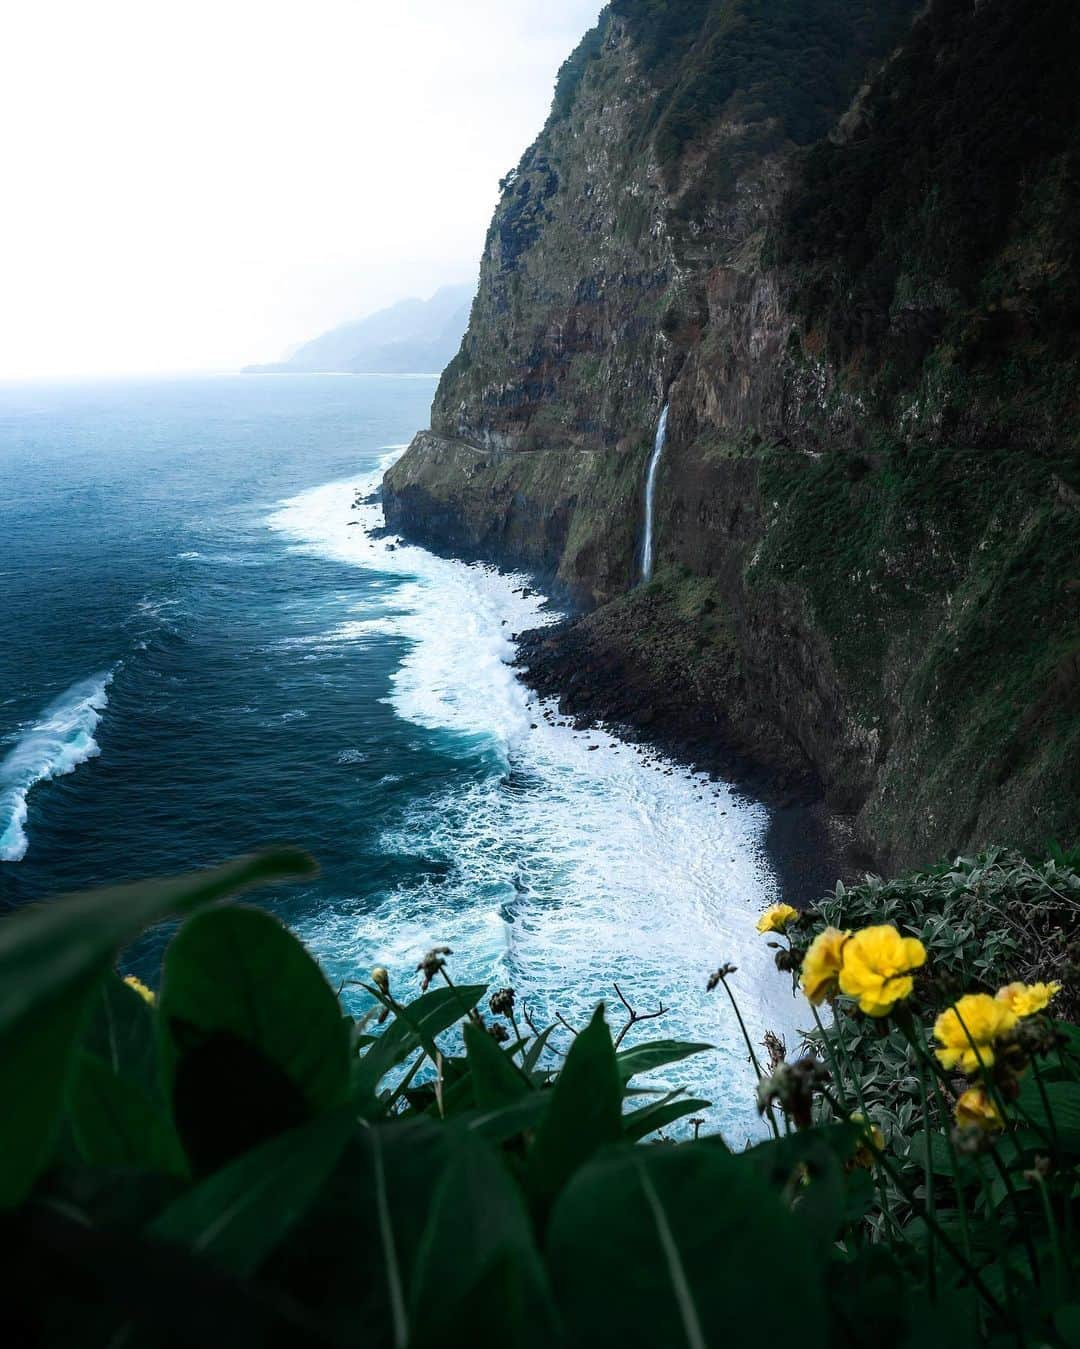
x: 647, y: 549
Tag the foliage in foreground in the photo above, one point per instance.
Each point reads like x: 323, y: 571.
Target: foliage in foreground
x: 237, y: 1161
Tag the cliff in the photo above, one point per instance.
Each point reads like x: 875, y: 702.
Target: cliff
x: 839, y: 240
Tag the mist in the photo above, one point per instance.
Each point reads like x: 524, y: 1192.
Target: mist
x: 204, y: 185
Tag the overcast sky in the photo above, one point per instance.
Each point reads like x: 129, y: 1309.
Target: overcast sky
x: 196, y: 184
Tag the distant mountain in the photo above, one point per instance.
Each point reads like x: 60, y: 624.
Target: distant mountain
x: 411, y: 337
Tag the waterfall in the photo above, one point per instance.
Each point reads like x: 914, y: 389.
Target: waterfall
x: 650, y: 494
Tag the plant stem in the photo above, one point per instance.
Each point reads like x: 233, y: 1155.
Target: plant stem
x: 928, y: 1179
x: 1060, y: 1279
x: 837, y: 1076
x: 1022, y: 1227
x: 887, y: 1214
x: 916, y: 1039
x: 1002, y: 1255
x: 750, y: 1048
x: 403, y: 1084
x: 931, y: 1221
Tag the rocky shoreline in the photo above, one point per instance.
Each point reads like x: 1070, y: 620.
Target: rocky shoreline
x: 595, y: 682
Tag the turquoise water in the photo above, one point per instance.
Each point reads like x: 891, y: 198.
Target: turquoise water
x: 206, y: 651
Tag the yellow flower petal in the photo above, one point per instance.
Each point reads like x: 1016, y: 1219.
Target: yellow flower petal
x: 145, y: 993
x: 821, y: 965
x: 776, y: 918
x: 968, y: 1030
x: 1027, y: 999
x: 877, y: 965
x: 871, y: 1145
x: 975, y: 1109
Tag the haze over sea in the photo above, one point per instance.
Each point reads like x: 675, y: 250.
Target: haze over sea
x: 204, y: 652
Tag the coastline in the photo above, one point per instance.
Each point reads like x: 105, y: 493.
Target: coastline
x: 808, y: 845
x: 595, y: 685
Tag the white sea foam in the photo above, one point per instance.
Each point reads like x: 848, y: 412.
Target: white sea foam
x: 578, y: 861
x: 60, y: 740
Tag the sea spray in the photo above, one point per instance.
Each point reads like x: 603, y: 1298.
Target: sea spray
x: 56, y: 744
x: 647, y: 547
x: 574, y: 860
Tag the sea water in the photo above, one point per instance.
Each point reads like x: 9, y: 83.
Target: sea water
x: 207, y: 647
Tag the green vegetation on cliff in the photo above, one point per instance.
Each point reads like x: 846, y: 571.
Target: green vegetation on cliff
x: 238, y: 1159
x: 864, y: 314
x: 946, y: 218
x: 757, y: 61
x: 945, y: 582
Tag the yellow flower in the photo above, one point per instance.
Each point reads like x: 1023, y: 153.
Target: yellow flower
x: 871, y: 1145
x: 978, y: 1018
x: 381, y: 979
x: 1027, y: 999
x: 821, y: 965
x: 975, y: 1109
x: 877, y: 966
x: 777, y: 918
x: 145, y: 993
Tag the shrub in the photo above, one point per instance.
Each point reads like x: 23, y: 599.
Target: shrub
x: 237, y: 1160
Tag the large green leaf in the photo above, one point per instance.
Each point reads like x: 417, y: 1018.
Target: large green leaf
x: 239, y: 1214
x: 118, y: 1123
x: 52, y: 957
x: 496, y: 1080
x: 351, y: 1257
x: 585, y: 1113
x: 1062, y: 1121
x: 715, y: 1259
x: 35, y: 1068
x: 477, y: 1264
x: 654, y: 1054
x: 67, y: 1282
x: 254, y: 1040
x: 122, y: 1033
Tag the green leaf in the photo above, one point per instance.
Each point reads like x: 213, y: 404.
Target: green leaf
x: 940, y: 1156
x: 654, y: 1054
x: 495, y: 1079
x: 117, y: 1123
x: 810, y: 1169
x: 352, y: 1256
x: 585, y: 1113
x: 640, y: 1123
x: 477, y: 1263
x: 415, y: 1025
x: 507, y: 1121
x: 239, y: 1214
x: 69, y: 1282
x: 532, y: 1054
x: 254, y: 1040
x: 52, y: 957
x: 1067, y: 1322
x: 121, y: 1032
x: 715, y: 1259
x: 869, y: 1278
x: 1063, y: 1119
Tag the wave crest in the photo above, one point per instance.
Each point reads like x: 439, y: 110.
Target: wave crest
x: 56, y: 744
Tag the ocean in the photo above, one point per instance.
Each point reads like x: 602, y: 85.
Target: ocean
x: 205, y: 650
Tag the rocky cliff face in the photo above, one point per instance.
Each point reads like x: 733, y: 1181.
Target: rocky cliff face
x: 842, y: 246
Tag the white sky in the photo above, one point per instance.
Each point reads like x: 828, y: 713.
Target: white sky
x: 196, y: 184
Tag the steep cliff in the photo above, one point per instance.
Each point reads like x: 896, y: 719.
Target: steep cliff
x: 838, y: 238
